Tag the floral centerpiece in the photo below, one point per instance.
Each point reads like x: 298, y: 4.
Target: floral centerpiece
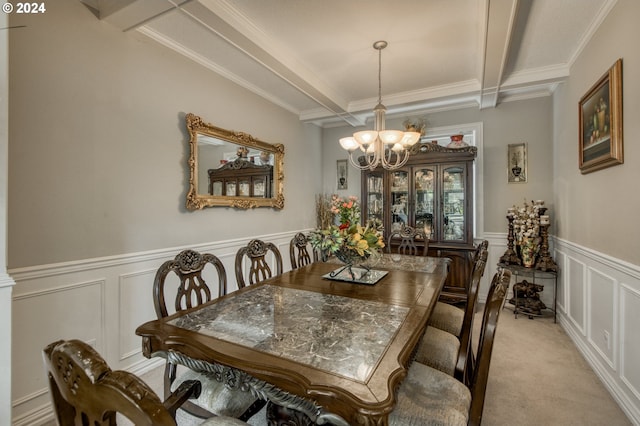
x: 526, y: 227
x: 348, y: 240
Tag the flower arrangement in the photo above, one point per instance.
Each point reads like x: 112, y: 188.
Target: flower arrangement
x: 347, y: 210
x: 526, y: 229
x: 526, y: 222
x: 349, y: 240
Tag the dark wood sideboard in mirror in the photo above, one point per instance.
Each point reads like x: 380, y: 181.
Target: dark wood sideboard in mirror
x: 232, y: 169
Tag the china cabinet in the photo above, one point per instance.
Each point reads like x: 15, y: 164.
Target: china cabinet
x: 434, y: 192
x: 241, y: 178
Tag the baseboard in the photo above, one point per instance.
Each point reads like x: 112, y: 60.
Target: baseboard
x: 629, y: 407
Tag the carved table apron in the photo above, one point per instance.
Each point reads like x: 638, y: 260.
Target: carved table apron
x: 332, y: 350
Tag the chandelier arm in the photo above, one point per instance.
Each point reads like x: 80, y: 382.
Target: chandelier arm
x: 355, y: 164
x: 401, y: 159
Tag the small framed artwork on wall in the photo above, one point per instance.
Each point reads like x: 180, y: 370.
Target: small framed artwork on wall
x: 517, y: 163
x: 600, y: 113
x: 342, y: 174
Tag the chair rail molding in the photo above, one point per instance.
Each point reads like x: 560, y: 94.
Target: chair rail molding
x: 107, y: 294
x: 597, y: 293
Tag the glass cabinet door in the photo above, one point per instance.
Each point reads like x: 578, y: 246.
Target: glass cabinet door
x: 399, y: 199
x: 423, y: 183
x: 453, y: 203
x: 375, y: 199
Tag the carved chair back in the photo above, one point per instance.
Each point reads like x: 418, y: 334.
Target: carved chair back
x: 259, y: 270
x: 482, y: 245
x: 301, y: 252
x: 189, y: 267
x: 408, y: 236
x: 480, y: 374
x: 86, y: 391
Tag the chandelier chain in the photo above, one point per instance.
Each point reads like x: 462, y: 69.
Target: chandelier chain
x: 380, y: 75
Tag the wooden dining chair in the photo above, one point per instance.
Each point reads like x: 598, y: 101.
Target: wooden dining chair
x: 450, y: 318
x: 85, y: 391
x: 256, y: 251
x: 408, y: 236
x: 444, y: 350
x: 430, y: 397
x: 192, y: 269
x: 300, y: 251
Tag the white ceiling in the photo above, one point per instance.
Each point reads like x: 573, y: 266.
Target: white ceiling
x: 316, y: 59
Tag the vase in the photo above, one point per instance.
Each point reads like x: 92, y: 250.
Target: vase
x: 457, y: 142
x: 529, y: 251
x: 350, y: 257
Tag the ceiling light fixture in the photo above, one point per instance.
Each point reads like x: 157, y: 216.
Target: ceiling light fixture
x: 389, y: 148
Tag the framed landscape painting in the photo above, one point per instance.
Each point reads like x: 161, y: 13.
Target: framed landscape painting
x: 600, y: 116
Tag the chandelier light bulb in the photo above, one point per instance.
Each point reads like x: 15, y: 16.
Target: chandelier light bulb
x: 366, y: 137
x: 391, y: 136
x: 410, y: 138
x: 349, y: 144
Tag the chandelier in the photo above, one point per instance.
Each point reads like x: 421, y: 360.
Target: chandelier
x: 389, y: 148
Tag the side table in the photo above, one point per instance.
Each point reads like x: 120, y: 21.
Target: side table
x: 521, y: 271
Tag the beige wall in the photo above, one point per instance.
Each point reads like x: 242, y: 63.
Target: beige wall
x: 527, y: 121
x: 98, y: 147
x: 599, y: 210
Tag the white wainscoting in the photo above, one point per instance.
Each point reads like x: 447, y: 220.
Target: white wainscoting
x: 100, y: 301
x: 598, y: 302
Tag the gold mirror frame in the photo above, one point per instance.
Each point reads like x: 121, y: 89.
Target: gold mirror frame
x: 196, y: 201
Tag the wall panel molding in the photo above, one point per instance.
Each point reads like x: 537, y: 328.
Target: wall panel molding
x: 129, y: 276
x: 576, y: 297
x: 110, y: 325
x: 630, y: 344
x: 610, y: 294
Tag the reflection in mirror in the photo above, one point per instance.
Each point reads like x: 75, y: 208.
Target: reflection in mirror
x: 232, y: 168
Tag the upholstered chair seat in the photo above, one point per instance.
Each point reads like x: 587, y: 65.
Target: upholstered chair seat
x: 223, y: 421
x: 218, y: 398
x: 429, y: 397
x: 439, y: 350
x: 458, y: 324
x: 447, y: 317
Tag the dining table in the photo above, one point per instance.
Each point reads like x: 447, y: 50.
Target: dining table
x: 311, y: 342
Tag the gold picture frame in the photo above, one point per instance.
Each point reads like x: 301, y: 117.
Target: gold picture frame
x: 517, y: 163
x: 600, y: 112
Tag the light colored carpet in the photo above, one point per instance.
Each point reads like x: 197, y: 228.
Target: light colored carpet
x: 537, y: 377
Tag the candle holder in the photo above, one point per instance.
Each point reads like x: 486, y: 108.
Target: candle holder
x: 510, y: 257
x: 545, y: 262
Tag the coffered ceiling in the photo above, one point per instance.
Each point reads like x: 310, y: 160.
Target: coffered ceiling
x: 316, y: 59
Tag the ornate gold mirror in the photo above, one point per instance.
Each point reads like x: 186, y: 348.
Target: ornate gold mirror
x: 232, y: 169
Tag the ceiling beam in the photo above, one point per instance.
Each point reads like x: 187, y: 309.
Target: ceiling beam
x: 130, y: 14
x: 214, y: 15
x: 499, y: 23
